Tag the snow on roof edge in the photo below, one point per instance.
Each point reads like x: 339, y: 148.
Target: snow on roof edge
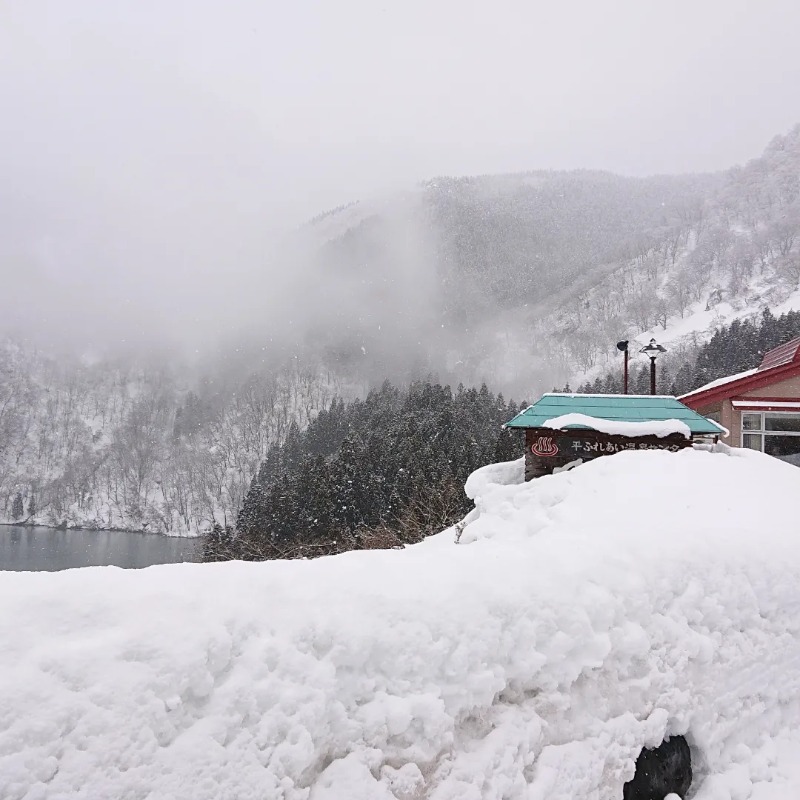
x: 725, y: 432
x: 659, y: 428
x: 720, y: 382
x: 617, y: 395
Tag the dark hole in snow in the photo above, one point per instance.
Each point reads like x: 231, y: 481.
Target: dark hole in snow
x: 659, y: 772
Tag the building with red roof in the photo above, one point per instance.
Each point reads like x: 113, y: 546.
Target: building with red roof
x: 760, y: 407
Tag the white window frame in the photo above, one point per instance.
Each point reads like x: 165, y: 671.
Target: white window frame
x: 761, y: 430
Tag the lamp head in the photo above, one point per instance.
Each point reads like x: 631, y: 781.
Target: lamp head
x: 653, y: 350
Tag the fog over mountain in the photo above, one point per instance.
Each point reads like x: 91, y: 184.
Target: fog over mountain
x: 158, y: 160
x: 529, y: 279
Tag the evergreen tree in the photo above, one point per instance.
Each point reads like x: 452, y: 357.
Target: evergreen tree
x: 253, y: 515
x: 217, y: 543
x: 664, y: 380
x: 395, y: 462
x: 683, y: 379
x: 640, y: 380
x: 17, y: 508
x: 770, y: 332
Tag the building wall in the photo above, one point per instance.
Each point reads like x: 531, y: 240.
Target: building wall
x: 731, y: 418
x: 788, y: 389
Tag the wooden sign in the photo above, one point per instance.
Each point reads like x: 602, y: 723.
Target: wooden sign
x: 548, y: 451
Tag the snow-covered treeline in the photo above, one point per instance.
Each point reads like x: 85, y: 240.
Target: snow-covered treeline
x: 118, y: 445
x: 732, y: 349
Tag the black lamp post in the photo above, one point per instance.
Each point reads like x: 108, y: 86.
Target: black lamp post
x: 653, y: 351
x: 623, y: 346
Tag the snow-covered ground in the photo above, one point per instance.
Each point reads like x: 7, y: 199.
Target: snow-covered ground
x: 581, y: 616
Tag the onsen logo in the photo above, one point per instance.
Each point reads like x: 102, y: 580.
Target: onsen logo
x: 544, y: 446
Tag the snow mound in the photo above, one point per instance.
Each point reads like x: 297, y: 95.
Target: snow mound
x: 584, y: 615
x: 502, y: 474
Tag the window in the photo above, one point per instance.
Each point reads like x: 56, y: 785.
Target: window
x: 751, y: 422
x: 775, y: 433
x: 782, y: 422
x: 753, y: 441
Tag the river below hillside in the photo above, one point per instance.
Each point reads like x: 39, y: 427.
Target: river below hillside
x: 47, y: 550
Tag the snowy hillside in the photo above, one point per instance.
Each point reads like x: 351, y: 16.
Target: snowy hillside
x: 684, y: 335
x: 532, y: 660
x: 136, y: 446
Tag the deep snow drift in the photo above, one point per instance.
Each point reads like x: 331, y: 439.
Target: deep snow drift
x: 581, y: 616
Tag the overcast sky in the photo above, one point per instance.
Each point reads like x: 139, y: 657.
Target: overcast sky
x: 150, y: 147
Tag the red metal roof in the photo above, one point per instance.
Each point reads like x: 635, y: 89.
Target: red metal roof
x: 784, y: 354
x: 779, y: 364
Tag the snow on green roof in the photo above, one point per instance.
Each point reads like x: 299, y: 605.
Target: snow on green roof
x: 615, y: 408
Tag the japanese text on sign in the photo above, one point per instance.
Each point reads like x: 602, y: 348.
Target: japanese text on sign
x: 577, y: 446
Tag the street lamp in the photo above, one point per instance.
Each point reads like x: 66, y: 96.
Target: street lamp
x: 653, y: 351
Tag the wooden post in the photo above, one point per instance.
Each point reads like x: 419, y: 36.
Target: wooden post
x: 624, y: 347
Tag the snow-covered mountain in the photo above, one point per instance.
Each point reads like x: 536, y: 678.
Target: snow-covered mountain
x: 528, y: 280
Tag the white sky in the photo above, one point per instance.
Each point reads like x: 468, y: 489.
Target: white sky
x: 149, y: 147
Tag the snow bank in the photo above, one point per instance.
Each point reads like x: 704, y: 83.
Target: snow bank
x: 502, y: 474
x: 584, y: 615
x: 660, y: 428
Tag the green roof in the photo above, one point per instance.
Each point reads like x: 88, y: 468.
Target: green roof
x: 616, y: 407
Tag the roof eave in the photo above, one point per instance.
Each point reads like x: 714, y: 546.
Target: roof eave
x: 726, y: 390
x: 714, y: 432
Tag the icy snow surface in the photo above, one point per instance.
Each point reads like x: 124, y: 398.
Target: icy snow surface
x: 660, y: 428
x: 582, y: 616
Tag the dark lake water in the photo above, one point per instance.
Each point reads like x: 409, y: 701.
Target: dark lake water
x: 45, y: 549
